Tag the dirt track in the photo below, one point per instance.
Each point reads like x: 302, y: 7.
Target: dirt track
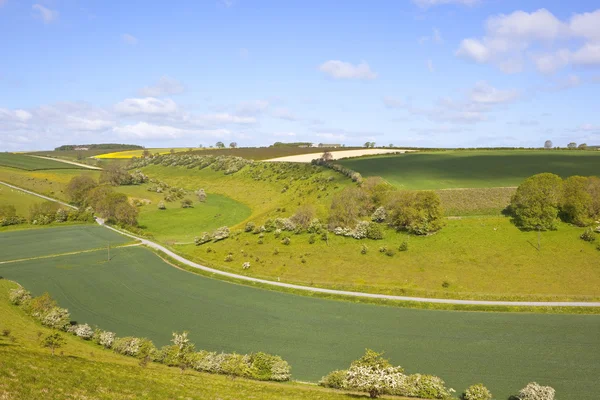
x: 306, y: 158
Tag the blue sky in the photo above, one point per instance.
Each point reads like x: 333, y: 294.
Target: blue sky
x: 441, y: 73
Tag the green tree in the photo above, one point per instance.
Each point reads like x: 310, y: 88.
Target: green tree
x: 78, y: 188
x: 577, y: 202
x: 233, y: 145
x: 535, y: 205
x: 220, y: 145
x: 548, y: 144
x: 115, y: 175
x: 53, y: 341
x: 420, y: 212
x: 572, y: 146
x: 582, y: 146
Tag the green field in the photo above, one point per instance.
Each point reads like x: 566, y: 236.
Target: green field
x: 56, y: 240
x: 20, y: 200
x: 83, y: 370
x: 265, y: 153
x: 136, y: 289
x: 474, y: 169
x: 48, y: 182
x: 22, y: 161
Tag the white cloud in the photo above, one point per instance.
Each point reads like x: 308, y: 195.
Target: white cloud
x: 431, y: 3
x: 484, y: 93
x: 430, y: 66
x: 165, y: 86
x: 393, y: 102
x: 551, y: 44
x: 225, y: 118
x: 129, y: 39
x: 47, y: 15
x: 344, y: 70
x: 436, y: 37
x: 147, y: 105
x: 22, y: 115
x: 284, y: 113
x: 144, y: 130
x: 85, y: 124
x: 252, y: 107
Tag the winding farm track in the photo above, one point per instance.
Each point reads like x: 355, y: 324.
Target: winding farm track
x: 192, y: 264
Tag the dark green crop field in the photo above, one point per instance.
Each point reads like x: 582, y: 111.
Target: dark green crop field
x: 474, y: 169
x: 29, y: 163
x: 136, y: 293
x: 47, y: 241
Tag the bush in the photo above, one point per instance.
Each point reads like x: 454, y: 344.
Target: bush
x: 311, y: 239
x: 84, y: 331
x: 105, y: 339
x: 364, y: 249
x: 588, y: 235
x: 246, y: 265
x: 403, y: 246
x: 265, y: 367
x: 57, y: 318
x: 390, y: 253
x: 220, y: 234
x: 533, y: 391
x: 415, y: 212
x: 379, y: 215
x: 249, y: 227
x: 129, y: 346
x: 477, y: 392
x: 360, y: 230
x: 286, y: 241
x: 186, y: 203
x: 19, y: 296
x: 334, y: 379
x: 374, y: 231
x: 424, y: 386
x: 204, y: 238
x: 229, y: 257
x: 314, y: 226
x: 161, y: 205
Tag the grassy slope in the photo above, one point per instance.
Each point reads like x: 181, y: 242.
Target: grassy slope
x: 176, y: 224
x: 48, y: 182
x: 20, y: 200
x: 504, y: 351
x: 29, y: 163
x: 84, y: 370
x: 485, y: 258
x: 473, y: 169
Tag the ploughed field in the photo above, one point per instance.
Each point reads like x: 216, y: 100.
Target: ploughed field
x: 474, y: 169
x: 136, y: 293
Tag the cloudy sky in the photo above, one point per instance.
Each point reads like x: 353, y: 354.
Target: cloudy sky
x: 189, y: 72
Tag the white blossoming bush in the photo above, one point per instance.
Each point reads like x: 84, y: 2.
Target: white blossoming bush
x: 84, y: 331
x: 314, y: 226
x: 57, y: 318
x: 129, y: 346
x: 246, y: 265
x: 220, y: 234
x: 161, y: 205
x: 277, y: 232
x: 339, y: 231
x: 534, y: 391
x: 204, y: 238
x: 285, y: 224
x: 375, y: 381
x: 379, y: 215
x: 19, y: 296
x: 477, y: 392
x: 201, y: 194
x: 106, y: 339
x: 360, y: 230
x: 61, y: 215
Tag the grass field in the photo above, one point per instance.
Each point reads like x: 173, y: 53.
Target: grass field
x: 474, y: 169
x: 476, y: 258
x: 86, y: 371
x: 22, y: 161
x: 20, y: 200
x: 56, y: 240
x: 176, y: 224
x: 48, y: 182
x: 502, y: 350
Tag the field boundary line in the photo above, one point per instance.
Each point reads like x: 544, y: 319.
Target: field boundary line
x: 71, y: 253
x: 67, y: 162
x: 38, y: 195
x: 192, y: 264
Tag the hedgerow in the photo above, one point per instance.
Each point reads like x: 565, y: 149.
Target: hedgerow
x: 258, y: 366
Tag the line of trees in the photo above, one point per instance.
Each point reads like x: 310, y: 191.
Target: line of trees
x: 542, y: 200
x: 103, y: 146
